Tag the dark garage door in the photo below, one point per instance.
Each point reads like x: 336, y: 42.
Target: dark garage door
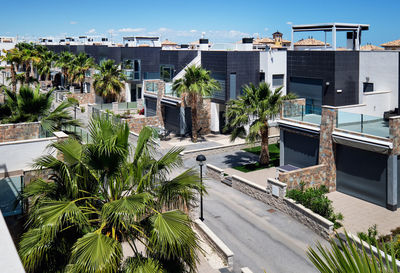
x: 172, y: 118
x: 361, y: 174
x: 300, y: 150
x: 310, y: 89
x: 151, y: 107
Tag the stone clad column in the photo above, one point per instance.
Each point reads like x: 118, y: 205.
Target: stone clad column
x: 326, y: 147
x: 392, y: 179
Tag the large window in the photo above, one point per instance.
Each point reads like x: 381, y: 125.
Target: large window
x: 132, y: 69
x: 167, y: 72
x: 277, y: 80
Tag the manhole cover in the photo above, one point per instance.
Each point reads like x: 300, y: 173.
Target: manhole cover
x: 271, y: 210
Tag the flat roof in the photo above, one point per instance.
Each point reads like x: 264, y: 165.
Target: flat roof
x: 329, y: 26
x: 141, y: 37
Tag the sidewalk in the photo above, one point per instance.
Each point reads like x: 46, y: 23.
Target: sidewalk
x: 259, y: 177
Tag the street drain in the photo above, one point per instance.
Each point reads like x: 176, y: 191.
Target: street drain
x: 217, y: 216
x: 271, y: 210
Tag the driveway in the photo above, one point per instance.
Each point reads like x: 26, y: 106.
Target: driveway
x: 261, y: 238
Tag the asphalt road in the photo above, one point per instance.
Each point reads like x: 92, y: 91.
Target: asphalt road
x: 260, y: 240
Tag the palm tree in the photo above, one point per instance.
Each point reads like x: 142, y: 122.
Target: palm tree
x: 65, y: 63
x: 255, y: 108
x: 30, y: 57
x: 109, y: 82
x: 101, y: 196
x: 14, y: 58
x: 347, y: 257
x: 195, y: 85
x: 80, y: 64
x: 47, y: 60
x: 30, y: 105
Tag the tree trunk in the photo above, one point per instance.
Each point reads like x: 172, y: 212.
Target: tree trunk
x: 27, y: 72
x: 13, y: 79
x: 81, y: 87
x: 194, y: 118
x: 264, y: 155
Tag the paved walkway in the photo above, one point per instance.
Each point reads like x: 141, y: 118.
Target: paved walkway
x: 211, y: 140
x: 261, y: 239
x: 259, y: 177
x: 359, y: 215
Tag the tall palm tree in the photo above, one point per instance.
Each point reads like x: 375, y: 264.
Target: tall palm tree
x: 80, y: 64
x: 14, y: 58
x: 47, y: 60
x: 195, y: 85
x: 102, y: 196
x: 30, y: 57
x: 109, y: 82
x: 64, y: 62
x: 255, y: 108
x: 30, y: 105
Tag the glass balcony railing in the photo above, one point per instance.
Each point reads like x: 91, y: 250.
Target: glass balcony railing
x: 127, y: 105
x: 151, y: 87
x: 169, y: 92
x: 304, y: 113
x: 364, y: 124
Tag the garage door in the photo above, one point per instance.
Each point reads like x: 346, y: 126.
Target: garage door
x: 172, y: 118
x: 310, y: 89
x: 361, y: 174
x: 151, y: 107
x: 300, y: 150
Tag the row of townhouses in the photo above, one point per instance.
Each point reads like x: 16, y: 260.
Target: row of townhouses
x: 342, y: 130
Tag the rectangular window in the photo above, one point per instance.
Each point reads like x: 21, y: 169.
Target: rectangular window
x: 132, y: 69
x: 368, y: 87
x: 166, y: 72
x: 262, y: 76
x: 277, y: 80
x: 232, y: 86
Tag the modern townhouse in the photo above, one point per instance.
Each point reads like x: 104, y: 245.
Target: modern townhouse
x: 344, y: 131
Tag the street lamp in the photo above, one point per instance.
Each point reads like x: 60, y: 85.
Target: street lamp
x: 200, y: 160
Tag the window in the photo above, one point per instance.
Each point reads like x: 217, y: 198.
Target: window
x: 166, y: 72
x: 132, y: 69
x: 262, y: 76
x: 277, y: 80
x: 368, y: 87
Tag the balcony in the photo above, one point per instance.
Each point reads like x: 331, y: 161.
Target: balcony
x: 363, y: 124
x: 297, y: 111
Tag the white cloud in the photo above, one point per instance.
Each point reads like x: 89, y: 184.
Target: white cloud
x: 289, y: 23
x: 163, y: 29
x: 266, y: 29
x: 112, y: 32
x: 128, y: 29
x: 73, y: 22
x: 91, y: 31
x: 193, y: 31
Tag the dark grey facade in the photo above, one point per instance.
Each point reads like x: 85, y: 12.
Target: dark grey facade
x: 244, y: 65
x: 336, y: 70
x: 300, y: 149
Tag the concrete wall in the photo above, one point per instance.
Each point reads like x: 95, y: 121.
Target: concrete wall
x: 84, y: 98
x: 382, y: 69
x: 19, y: 155
x: 274, y: 62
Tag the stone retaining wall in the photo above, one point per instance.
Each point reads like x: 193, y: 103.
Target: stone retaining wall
x: 274, y: 195
x: 313, y: 176
x: 83, y: 98
x: 136, y: 124
x: 19, y: 131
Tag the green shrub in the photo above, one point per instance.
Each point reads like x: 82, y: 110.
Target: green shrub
x: 315, y: 200
x: 83, y: 109
x: 387, y: 241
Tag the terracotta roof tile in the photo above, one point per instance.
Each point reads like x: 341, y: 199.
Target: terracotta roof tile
x: 392, y: 43
x: 310, y: 42
x: 371, y: 47
x: 166, y: 42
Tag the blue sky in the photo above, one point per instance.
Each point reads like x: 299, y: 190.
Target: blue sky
x: 184, y: 21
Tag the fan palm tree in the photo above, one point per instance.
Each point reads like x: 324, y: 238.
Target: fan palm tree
x: 103, y: 195
x: 80, y: 64
x: 195, y: 85
x: 109, y: 82
x: 345, y: 256
x: 30, y: 105
x: 255, y: 108
x: 64, y: 62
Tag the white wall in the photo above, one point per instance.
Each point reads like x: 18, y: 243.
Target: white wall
x: 382, y: 68
x: 19, y: 155
x: 274, y: 62
x: 214, y: 127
